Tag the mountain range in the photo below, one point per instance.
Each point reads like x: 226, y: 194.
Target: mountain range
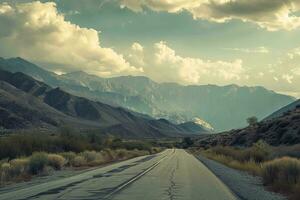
x: 220, y: 107
x: 28, y: 103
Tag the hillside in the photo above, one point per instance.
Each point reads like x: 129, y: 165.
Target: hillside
x: 283, y: 110
x: 26, y: 103
x: 172, y: 101
x: 281, y: 130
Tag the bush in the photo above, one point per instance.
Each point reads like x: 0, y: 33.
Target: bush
x: 281, y: 171
x: 5, y: 172
x: 79, y: 161
x: 19, y: 166
x: 37, y: 162
x: 89, y: 156
x: 56, y: 161
x: 69, y: 156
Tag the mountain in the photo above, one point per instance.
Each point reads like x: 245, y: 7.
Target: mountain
x: 283, y: 110
x: 281, y: 130
x: 223, y: 107
x: 28, y: 103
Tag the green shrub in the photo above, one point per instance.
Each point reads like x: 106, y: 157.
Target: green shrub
x: 56, y: 161
x: 38, y: 162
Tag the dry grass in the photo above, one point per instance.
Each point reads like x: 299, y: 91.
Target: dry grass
x: 21, y: 169
x: 282, y: 174
x: 56, y: 161
x: 249, y: 166
x: 79, y: 161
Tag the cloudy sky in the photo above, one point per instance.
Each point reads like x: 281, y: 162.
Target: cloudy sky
x: 186, y: 41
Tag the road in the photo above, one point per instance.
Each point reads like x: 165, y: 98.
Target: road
x: 170, y: 175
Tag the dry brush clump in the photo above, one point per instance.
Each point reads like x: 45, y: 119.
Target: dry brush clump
x: 79, y: 161
x: 56, y: 161
x: 282, y: 173
x: 69, y: 157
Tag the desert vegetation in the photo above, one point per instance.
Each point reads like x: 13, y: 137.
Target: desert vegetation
x: 25, y: 155
x: 279, y: 167
x: 41, y: 163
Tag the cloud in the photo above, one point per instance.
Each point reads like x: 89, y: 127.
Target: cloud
x: 293, y: 53
x: 168, y: 66
x: 37, y: 31
x: 136, y: 55
x: 272, y: 15
x: 137, y: 47
x: 288, y: 78
x: 262, y: 50
x: 296, y: 71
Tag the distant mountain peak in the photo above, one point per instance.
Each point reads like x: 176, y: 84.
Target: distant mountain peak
x: 224, y: 107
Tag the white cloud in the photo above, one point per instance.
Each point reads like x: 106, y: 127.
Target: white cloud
x: 262, y: 50
x: 293, y: 53
x: 296, y: 71
x: 137, y: 47
x: 37, y: 31
x: 269, y: 14
x: 288, y: 78
x: 172, y: 67
x: 136, y: 55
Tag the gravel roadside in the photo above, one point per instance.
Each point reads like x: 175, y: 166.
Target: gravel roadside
x: 242, y: 184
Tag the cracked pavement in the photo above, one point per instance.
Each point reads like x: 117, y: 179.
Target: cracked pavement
x: 170, y: 175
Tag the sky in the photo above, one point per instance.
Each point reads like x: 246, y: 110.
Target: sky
x: 191, y: 42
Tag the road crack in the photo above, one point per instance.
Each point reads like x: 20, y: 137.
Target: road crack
x: 171, y: 191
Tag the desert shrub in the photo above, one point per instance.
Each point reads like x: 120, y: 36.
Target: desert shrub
x: 18, y: 166
x: 108, y: 155
x: 38, y: 162
x: 56, y: 161
x: 79, y: 161
x: 122, y: 154
x: 89, y: 156
x: 281, y: 171
x: 249, y: 166
x: 131, y: 145
x: 259, y: 152
x: 69, y: 156
x: 5, y: 172
x: 155, y: 150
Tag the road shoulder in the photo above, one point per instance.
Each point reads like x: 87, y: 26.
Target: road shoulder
x: 243, y: 185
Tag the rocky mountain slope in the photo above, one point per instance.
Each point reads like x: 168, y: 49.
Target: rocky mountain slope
x: 283, y: 129
x: 223, y: 107
x: 27, y: 103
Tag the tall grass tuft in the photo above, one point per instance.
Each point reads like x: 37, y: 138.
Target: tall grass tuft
x: 281, y: 171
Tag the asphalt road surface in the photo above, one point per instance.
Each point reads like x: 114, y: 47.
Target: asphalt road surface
x: 170, y: 175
